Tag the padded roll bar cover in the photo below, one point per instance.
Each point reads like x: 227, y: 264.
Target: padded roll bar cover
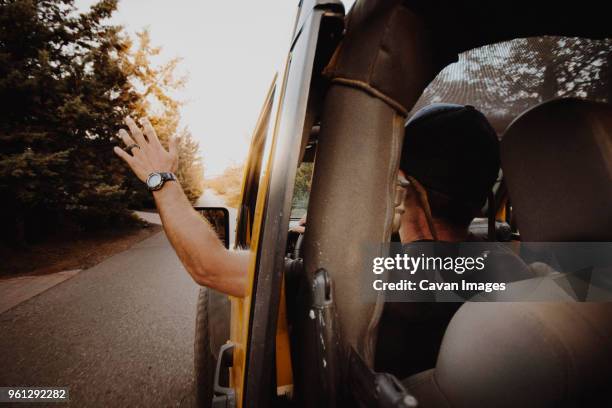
x: 351, y: 202
x: 374, y: 85
x: 557, y: 162
x: 383, y: 39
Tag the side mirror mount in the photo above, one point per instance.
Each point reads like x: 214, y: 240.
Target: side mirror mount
x: 218, y: 218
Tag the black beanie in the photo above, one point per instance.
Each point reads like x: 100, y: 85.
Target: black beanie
x: 454, y: 150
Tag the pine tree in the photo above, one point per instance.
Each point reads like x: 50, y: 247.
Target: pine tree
x: 67, y: 80
x: 63, y: 94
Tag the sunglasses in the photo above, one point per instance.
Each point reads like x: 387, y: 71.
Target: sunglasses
x: 400, y: 191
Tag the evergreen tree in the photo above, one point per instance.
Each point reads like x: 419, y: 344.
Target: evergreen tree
x: 67, y: 80
x: 63, y: 95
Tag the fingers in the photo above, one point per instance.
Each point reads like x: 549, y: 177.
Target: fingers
x: 150, y: 155
x: 149, y: 131
x: 135, y: 150
x: 134, y: 163
x: 124, y: 155
x: 136, y: 132
x: 127, y: 140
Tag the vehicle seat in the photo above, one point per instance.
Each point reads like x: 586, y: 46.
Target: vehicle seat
x: 557, y: 161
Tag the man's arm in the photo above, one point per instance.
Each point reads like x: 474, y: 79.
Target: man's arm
x: 198, y: 246
x: 193, y: 239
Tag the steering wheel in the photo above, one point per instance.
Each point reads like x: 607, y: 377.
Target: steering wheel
x: 297, y: 250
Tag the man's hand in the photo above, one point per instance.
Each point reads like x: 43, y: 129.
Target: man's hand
x: 193, y: 239
x: 300, y: 229
x: 147, y: 154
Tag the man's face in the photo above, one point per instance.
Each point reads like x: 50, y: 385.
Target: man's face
x: 400, y: 200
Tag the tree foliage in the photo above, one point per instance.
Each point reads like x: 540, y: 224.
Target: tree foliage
x: 507, y: 78
x: 228, y: 185
x: 154, y: 83
x: 191, y: 168
x: 66, y: 81
x: 303, y: 180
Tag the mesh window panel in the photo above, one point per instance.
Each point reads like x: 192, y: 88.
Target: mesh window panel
x: 504, y: 79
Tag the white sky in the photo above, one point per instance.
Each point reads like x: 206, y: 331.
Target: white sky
x: 230, y: 50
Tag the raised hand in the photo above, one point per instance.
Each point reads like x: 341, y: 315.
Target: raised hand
x: 144, y: 152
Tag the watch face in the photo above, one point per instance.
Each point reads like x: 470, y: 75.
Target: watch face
x: 154, y: 180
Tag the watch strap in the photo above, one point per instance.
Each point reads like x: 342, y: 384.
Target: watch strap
x: 167, y: 176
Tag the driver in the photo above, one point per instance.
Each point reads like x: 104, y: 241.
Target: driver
x: 449, y: 162
x: 448, y: 165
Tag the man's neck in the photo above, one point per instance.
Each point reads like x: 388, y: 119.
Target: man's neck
x: 419, y: 231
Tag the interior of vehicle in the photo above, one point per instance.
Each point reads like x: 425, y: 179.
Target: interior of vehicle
x: 465, y: 82
x: 548, y: 98
x: 543, y: 78
x: 569, y: 341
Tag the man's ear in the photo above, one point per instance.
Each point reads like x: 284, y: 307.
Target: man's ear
x: 421, y: 199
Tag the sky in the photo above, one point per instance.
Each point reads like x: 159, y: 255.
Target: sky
x: 230, y: 51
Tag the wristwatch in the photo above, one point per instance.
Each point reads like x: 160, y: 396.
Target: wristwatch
x: 156, y: 180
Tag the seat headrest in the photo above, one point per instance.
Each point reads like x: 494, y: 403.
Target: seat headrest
x: 557, y: 162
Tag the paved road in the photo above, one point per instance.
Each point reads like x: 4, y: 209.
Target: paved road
x: 119, y: 334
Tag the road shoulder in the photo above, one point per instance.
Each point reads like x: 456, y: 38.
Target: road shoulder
x: 14, y: 291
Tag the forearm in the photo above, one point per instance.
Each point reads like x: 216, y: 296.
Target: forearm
x: 197, y: 244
